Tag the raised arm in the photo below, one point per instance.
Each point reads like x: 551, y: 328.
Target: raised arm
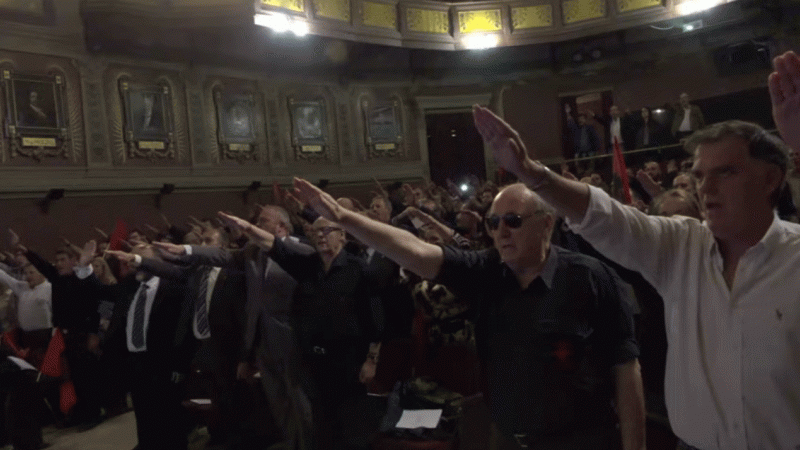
x: 784, y: 90
x: 570, y: 198
x: 398, y: 245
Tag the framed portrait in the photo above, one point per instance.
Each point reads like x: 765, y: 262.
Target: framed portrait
x: 235, y: 118
x: 148, y: 121
x: 36, y: 121
x: 309, y: 125
x: 35, y: 104
x: 383, y: 124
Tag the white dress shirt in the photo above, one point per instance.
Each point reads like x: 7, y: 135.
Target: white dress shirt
x: 615, y: 130
x: 686, y: 123
x: 733, y: 363
x: 152, y: 287
x: 34, y: 305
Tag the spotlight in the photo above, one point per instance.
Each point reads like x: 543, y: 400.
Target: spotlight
x: 464, y: 187
x: 480, y: 41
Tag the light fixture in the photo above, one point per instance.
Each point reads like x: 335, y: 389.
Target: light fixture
x: 688, y: 7
x: 464, y: 187
x: 480, y: 41
x: 692, y: 26
x: 281, y: 23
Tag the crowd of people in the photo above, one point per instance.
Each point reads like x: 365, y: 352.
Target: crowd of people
x: 590, y: 323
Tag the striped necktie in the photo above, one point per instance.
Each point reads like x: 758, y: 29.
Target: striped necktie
x: 201, y: 307
x: 137, y: 331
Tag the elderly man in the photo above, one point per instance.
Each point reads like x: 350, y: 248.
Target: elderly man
x: 554, y: 327
x: 728, y: 284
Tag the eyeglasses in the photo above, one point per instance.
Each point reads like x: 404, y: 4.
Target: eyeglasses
x: 327, y: 230
x: 510, y: 219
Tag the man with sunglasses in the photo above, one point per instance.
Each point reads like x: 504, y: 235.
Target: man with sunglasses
x: 554, y: 327
x: 729, y: 284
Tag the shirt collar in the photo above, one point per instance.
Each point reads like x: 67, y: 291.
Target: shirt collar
x: 770, y: 242
x: 152, y: 283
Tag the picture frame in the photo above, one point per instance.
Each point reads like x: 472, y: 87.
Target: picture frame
x: 235, y: 118
x: 236, y: 125
x: 309, y: 125
x: 36, y: 120
x: 383, y: 126
x: 148, y: 119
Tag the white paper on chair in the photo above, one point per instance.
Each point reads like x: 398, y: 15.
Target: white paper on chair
x: 419, y: 418
x: 24, y: 365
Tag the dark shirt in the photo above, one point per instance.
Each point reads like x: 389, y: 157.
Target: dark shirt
x: 328, y: 306
x: 75, y: 301
x: 549, y: 348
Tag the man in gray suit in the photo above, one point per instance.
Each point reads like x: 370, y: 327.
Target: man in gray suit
x: 268, y: 335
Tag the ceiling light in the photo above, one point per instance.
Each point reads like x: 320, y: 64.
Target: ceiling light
x: 693, y: 25
x: 281, y: 23
x: 300, y: 29
x: 480, y: 41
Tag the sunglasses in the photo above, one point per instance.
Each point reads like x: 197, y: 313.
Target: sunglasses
x: 510, y: 219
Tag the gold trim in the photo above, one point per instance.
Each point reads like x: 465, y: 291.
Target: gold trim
x: 382, y: 15
x: 39, y: 142
x: 526, y: 17
x: 580, y: 10
x: 633, y: 5
x: 292, y: 5
x: 333, y: 9
x: 477, y: 21
x: 428, y: 21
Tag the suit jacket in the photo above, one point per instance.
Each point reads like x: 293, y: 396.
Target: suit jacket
x: 167, y: 352
x: 627, y: 125
x: 269, y: 298
x: 696, y: 119
x: 226, y: 312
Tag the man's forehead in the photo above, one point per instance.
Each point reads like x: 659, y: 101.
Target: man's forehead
x: 725, y: 151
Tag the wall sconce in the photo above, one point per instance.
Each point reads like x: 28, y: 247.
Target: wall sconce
x: 253, y: 188
x: 166, y: 189
x: 51, y: 196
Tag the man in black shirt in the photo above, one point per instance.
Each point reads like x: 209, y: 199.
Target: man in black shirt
x: 554, y: 327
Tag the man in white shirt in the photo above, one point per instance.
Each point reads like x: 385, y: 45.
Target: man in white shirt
x: 729, y: 284
x: 34, y: 310
x: 688, y: 118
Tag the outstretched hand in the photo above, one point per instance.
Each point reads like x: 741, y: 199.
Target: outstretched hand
x: 653, y: 189
x: 122, y: 256
x: 169, y: 250
x: 508, y: 149
x: 256, y: 235
x: 320, y: 201
x: 784, y: 90
x: 87, y: 253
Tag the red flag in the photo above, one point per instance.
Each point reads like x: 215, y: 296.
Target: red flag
x: 621, y: 171
x: 67, y: 396
x: 119, y: 235
x: 52, y: 364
